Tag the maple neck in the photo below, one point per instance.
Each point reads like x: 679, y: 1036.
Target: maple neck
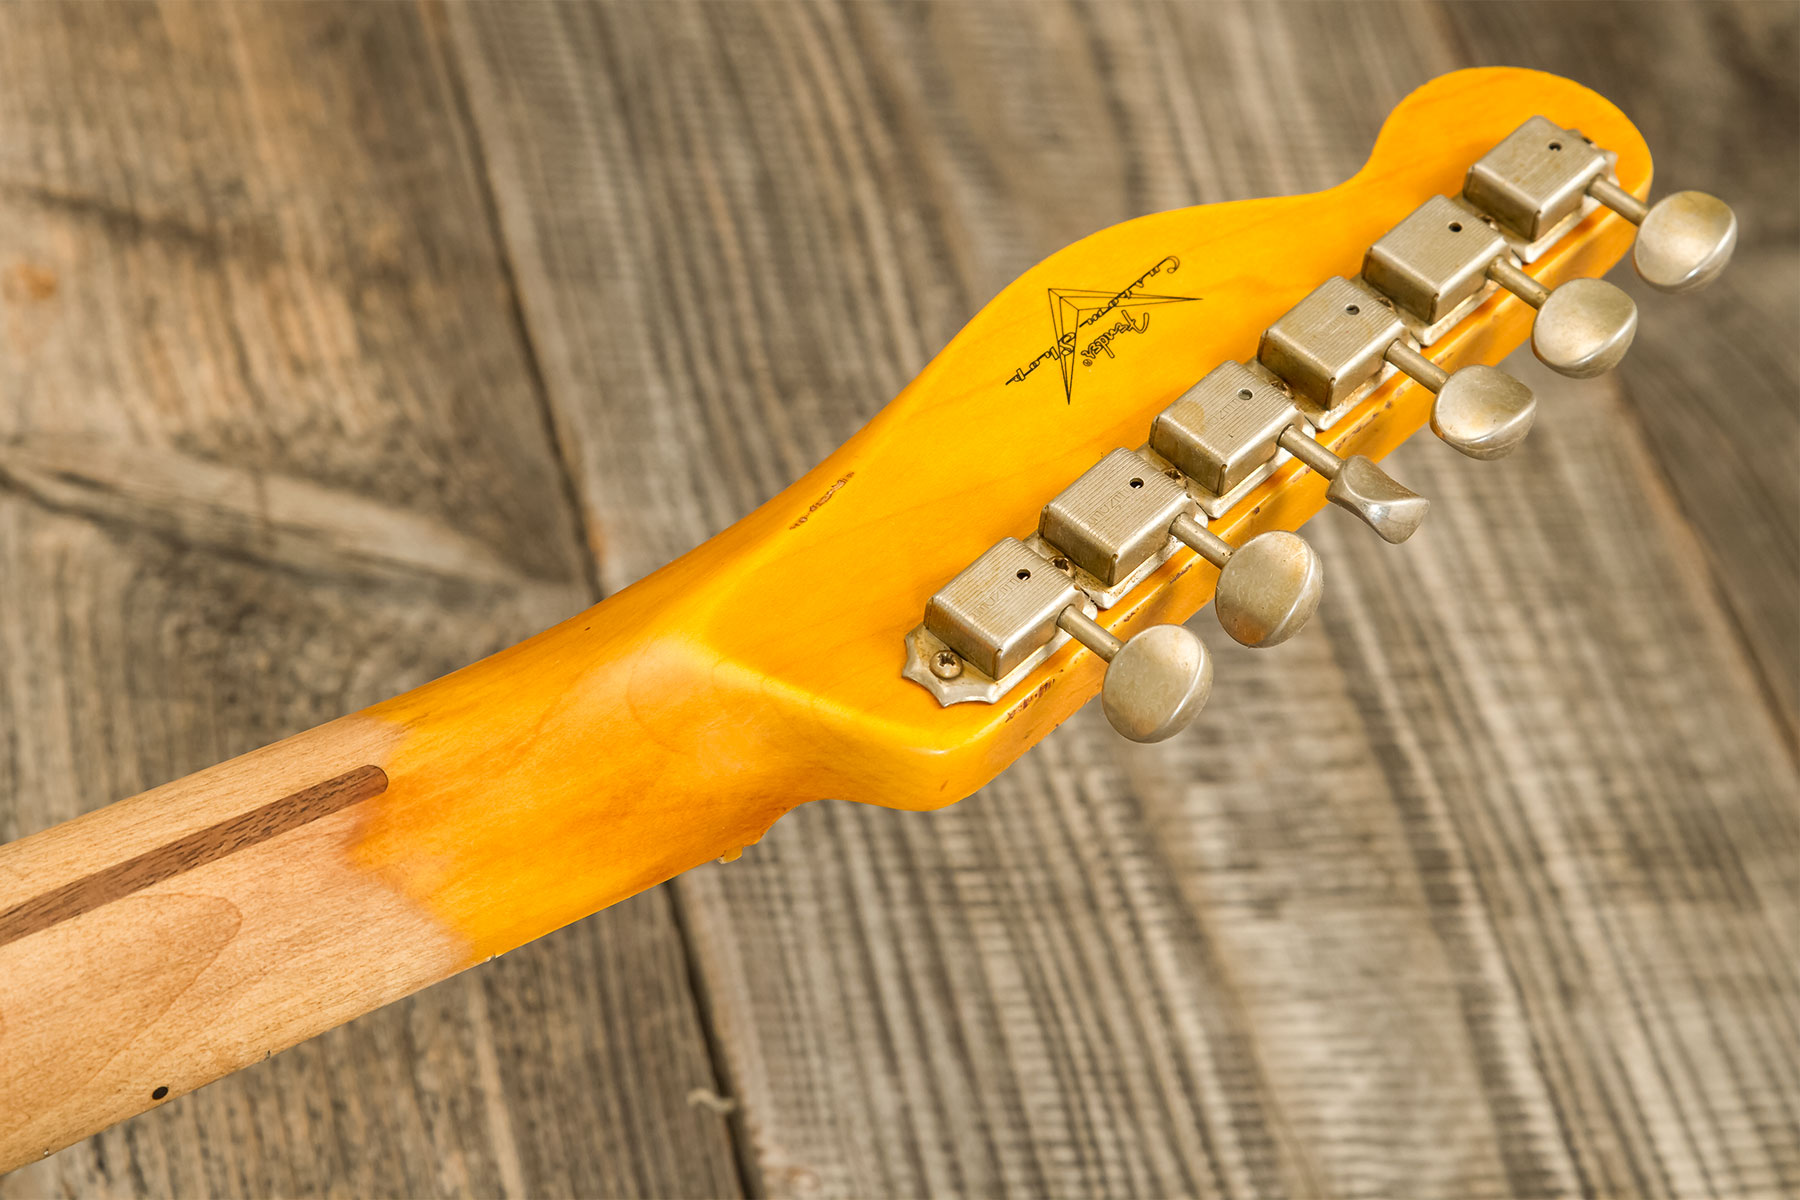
x: 166, y: 940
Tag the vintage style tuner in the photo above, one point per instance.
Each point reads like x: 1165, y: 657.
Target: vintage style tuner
x: 1443, y: 254
x: 1008, y: 607
x: 1226, y: 431
x: 1335, y: 343
x: 1121, y: 516
x: 1538, y: 179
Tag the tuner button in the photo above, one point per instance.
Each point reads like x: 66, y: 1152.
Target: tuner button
x: 1685, y: 241
x: 1536, y: 178
x: 1584, y: 328
x: 1156, y: 683
x: 1479, y: 410
x: 1370, y: 494
x: 1483, y: 412
x: 1378, y: 500
x: 1269, y: 588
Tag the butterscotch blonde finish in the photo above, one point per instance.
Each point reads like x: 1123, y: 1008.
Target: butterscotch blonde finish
x: 172, y: 938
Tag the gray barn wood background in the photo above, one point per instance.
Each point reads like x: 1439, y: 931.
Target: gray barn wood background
x: 342, y: 344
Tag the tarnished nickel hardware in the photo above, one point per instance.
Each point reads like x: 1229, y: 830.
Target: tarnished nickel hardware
x: 1001, y: 608
x: 1436, y: 264
x: 1156, y: 683
x: 1268, y: 588
x: 1222, y: 433
x: 1010, y: 603
x: 1338, y: 340
x: 1542, y: 175
x: 943, y: 672
x: 1021, y: 601
x: 1122, y: 514
x: 1582, y: 328
x: 1361, y: 488
x: 1535, y: 179
x: 1479, y: 410
x: 1330, y: 349
x: 933, y: 665
x: 1683, y: 240
x: 1116, y: 517
x: 1433, y: 265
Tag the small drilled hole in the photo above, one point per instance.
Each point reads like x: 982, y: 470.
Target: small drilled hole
x: 159, y: 1093
x: 1243, y: 393
x: 1024, y: 574
x: 1060, y: 563
x: 1137, y: 483
x: 1556, y: 145
x: 1352, y: 309
x: 1456, y: 227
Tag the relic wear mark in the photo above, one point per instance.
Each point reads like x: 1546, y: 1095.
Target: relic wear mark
x: 1026, y: 701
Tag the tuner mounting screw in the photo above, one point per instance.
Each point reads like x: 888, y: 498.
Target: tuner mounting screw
x: 946, y: 665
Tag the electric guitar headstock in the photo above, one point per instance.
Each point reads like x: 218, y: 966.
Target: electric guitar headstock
x: 1136, y: 425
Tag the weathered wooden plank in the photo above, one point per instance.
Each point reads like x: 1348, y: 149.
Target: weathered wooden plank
x: 1480, y: 888
x: 1712, y: 381
x: 270, y: 450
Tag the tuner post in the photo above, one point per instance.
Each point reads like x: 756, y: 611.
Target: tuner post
x: 1232, y: 425
x: 1334, y: 344
x: 1012, y: 608
x: 1440, y: 261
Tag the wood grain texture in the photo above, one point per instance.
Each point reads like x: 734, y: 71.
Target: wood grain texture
x: 273, y: 450
x: 104, y: 885
x: 1483, y: 887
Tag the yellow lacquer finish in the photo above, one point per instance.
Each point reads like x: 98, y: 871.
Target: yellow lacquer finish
x: 677, y: 720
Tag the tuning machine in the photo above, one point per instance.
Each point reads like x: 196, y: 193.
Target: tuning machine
x: 1332, y: 346
x: 1005, y: 610
x: 1120, y: 516
x: 1538, y: 177
x: 1227, y: 429
x: 1443, y: 255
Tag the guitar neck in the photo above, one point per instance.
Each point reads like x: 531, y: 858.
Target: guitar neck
x: 166, y: 940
